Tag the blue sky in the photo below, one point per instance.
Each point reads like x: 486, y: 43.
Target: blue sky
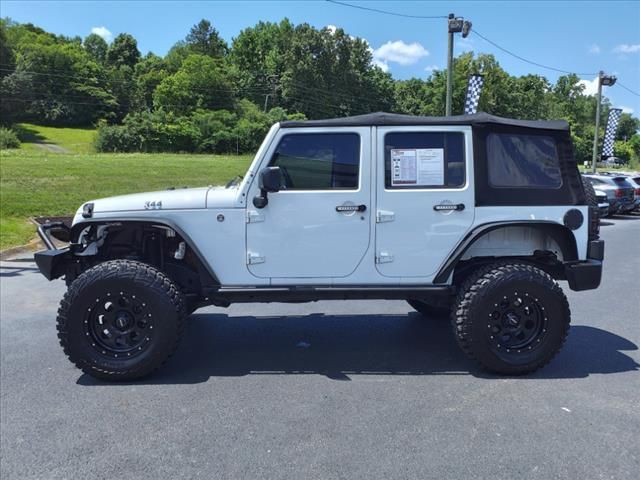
x: 572, y: 35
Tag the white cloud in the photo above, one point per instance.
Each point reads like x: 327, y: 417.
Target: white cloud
x: 624, y: 48
x: 628, y: 110
x: 102, y: 32
x: 594, y: 49
x: 590, y: 87
x: 431, y: 68
x: 398, y: 52
x: 382, y: 65
x: 332, y: 29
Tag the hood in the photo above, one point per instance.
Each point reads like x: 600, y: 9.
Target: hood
x: 178, y: 199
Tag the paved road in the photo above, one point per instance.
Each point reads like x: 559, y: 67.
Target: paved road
x: 327, y: 390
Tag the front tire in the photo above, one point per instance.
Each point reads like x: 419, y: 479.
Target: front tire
x: 512, y: 318
x: 121, y: 320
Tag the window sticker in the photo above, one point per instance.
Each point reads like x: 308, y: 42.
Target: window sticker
x: 421, y: 166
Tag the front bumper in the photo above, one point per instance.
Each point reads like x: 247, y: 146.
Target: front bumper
x: 586, y: 274
x: 52, y: 262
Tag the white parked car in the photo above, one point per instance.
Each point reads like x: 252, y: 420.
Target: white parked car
x: 476, y: 214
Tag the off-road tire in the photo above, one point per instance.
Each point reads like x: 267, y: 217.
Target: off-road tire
x: 429, y: 310
x: 486, y: 292
x: 594, y: 213
x: 153, y: 300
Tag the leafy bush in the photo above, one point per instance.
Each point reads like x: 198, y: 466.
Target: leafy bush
x: 116, y: 138
x: 149, y: 132
x: 212, y: 131
x: 8, y: 138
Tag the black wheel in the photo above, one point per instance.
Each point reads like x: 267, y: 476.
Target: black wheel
x: 594, y: 214
x: 430, y: 309
x: 120, y: 320
x: 512, y: 318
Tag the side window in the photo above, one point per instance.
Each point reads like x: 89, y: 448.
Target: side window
x: 523, y: 161
x: 319, y: 161
x: 424, y: 160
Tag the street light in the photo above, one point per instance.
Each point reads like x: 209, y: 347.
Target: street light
x: 607, y: 81
x: 455, y: 25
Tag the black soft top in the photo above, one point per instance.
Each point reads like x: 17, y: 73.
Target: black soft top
x: 393, y: 119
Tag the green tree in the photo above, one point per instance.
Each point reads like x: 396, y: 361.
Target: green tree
x: 149, y: 73
x: 7, y: 55
x: 123, y: 51
x: 627, y: 127
x: 55, y: 80
x: 96, y: 47
x: 258, y: 54
x: 412, y: 96
x: 205, y: 40
x: 201, y: 82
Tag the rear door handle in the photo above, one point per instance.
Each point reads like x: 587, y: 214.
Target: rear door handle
x: 448, y: 206
x: 351, y: 208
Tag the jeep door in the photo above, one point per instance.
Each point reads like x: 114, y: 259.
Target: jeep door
x: 318, y: 225
x: 425, y: 197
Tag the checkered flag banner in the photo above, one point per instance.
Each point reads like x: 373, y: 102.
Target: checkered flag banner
x: 474, y: 88
x: 610, y: 132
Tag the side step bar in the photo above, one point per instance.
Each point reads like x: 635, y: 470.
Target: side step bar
x: 228, y: 295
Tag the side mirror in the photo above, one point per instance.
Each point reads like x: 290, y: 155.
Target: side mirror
x: 270, y: 181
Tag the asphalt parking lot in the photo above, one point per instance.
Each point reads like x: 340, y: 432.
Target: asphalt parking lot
x: 327, y: 390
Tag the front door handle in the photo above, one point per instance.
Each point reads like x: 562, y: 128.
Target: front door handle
x: 449, y: 206
x: 351, y: 208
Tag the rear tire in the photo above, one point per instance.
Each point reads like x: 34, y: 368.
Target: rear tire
x: 512, y: 318
x: 121, y: 320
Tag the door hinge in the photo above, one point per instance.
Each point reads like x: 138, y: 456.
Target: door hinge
x: 384, y: 216
x: 253, y: 258
x: 384, y: 257
x: 254, y: 217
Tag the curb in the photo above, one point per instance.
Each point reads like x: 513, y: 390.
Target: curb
x: 15, y: 251
x: 27, y: 248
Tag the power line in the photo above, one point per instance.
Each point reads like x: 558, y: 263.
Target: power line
x: 108, y: 82
x: 531, y: 62
x: 386, y: 12
x: 258, y: 89
x: 509, y: 52
x: 629, y: 90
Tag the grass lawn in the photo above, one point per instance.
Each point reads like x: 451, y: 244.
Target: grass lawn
x: 74, y: 140
x: 38, y: 183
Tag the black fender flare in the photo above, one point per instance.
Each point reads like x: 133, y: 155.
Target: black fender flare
x: 562, y: 235
x: 78, y: 227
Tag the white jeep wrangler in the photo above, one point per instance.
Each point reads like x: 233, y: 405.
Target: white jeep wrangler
x: 473, y: 215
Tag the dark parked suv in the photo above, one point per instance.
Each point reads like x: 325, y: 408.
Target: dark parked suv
x: 620, y: 192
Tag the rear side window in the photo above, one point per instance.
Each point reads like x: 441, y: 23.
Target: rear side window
x: 319, y: 161
x: 523, y: 161
x: 424, y: 160
x: 621, y: 182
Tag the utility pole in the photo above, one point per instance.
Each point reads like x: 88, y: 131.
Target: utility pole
x: 449, y: 65
x: 272, y: 79
x: 266, y: 101
x: 454, y: 25
x: 607, y: 81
